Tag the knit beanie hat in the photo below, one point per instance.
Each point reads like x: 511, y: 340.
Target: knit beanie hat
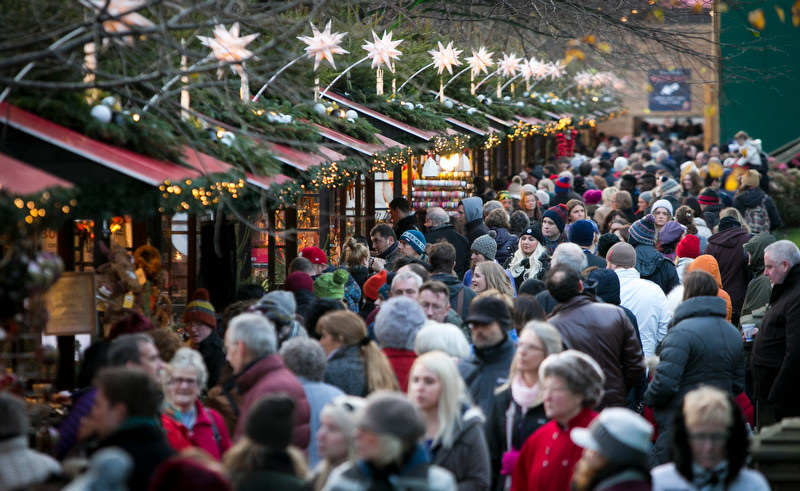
x: 528, y: 188
x: 689, y: 246
x: 200, y: 309
x: 373, y: 284
x: 619, y: 435
x: 646, y: 196
x: 278, y: 306
x: 415, y: 239
x: 543, y: 197
x: 752, y: 178
x: 331, y: 285
x: 622, y: 254
x: 390, y: 413
x: 620, y: 163
x: 562, y: 184
x: 581, y: 232
x: 559, y: 214
x: 398, y: 322
x: 485, y: 245
x: 534, y: 230
x: 515, y: 189
x: 592, y: 196
x: 671, y: 232
x: 298, y: 281
x: 644, y: 231
x: 606, y: 242
x: 314, y: 254
x: 501, y: 195
x: 662, y: 203
x: 670, y: 186
x: 270, y: 422
x: 728, y: 222
x: 708, y: 196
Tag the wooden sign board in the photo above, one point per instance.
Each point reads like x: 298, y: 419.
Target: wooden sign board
x: 71, y: 305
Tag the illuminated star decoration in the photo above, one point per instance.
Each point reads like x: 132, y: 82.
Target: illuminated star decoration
x: 510, y: 65
x: 323, y: 45
x: 382, y: 50
x: 445, y: 57
x: 555, y: 70
x: 526, y: 69
x: 480, y: 61
x: 538, y: 68
x: 122, y: 15
x: 228, y: 47
x: 584, y: 79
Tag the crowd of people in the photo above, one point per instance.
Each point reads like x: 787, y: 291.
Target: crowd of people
x: 619, y: 320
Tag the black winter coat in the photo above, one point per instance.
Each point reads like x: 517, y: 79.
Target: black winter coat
x: 727, y: 247
x: 448, y: 234
x: 147, y: 445
x: 700, y: 348
x: 653, y: 266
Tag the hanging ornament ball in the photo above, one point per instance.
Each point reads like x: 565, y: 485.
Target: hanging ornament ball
x: 520, y: 104
x: 606, y: 99
x: 471, y: 110
x: 319, y: 108
x: 108, y: 101
x: 101, y: 113
x: 526, y: 94
x: 481, y: 97
x: 507, y: 98
x: 448, y: 104
x: 409, y: 106
x: 350, y: 120
x: 420, y: 106
x: 351, y: 114
x: 487, y: 101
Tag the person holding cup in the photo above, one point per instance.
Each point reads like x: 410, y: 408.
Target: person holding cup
x: 701, y: 347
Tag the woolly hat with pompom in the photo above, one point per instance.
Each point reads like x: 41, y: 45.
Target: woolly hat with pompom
x: 200, y: 309
x: 398, y: 322
x: 592, y: 196
x: 689, y: 246
x: 562, y: 184
x: 331, y: 285
x: 643, y: 231
x: 559, y: 214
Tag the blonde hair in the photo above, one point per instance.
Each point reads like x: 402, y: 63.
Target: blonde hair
x: 452, y: 396
x: 495, y: 293
x: 548, y: 185
x: 707, y: 405
x: 354, y: 253
x: 496, y: 277
x: 343, y: 410
x: 608, y: 195
x: 733, y: 212
x: 350, y: 329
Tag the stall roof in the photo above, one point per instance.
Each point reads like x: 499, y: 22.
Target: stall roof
x: 207, y: 164
x: 468, y: 127
x: 419, y: 133
x: 21, y: 179
x: 348, y: 141
x: 140, y: 167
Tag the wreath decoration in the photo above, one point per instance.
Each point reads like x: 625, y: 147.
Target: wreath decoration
x: 148, y: 258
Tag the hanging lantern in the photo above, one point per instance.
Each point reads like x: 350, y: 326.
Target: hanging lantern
x: 430, y: 169
x: 464, y: 165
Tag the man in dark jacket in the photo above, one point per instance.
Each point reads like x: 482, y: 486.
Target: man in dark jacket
x: 583, y: 234
x: 470, y: 214
x: 650, y: 263
x: 489, y: 320
x: 727, y: 247
x: 442, y: 257
x: 441, y: 230
x: 776, y: 351
x: 126, y: 414
x: 600, y: 330
x: 402, y: 218
x: 385, y: 242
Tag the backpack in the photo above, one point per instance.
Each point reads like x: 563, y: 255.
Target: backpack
x: 758, y: 218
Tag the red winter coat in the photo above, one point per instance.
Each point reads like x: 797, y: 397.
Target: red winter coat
x: 401, y: 361
x: 201, y: 435
x: 268, y: 376
x: 549, y: 456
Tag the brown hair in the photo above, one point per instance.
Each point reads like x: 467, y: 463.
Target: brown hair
x: 350, y: 329
x: 623, y: 200
x: 436, y: 287
x: 576, y: 202
x: 496, y: 277
x: 699, y: 284
x: 497, y: 218
x: 354, y: 253
x: 685, y: 216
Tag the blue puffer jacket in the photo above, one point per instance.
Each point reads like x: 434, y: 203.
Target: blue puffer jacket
x: 700, y: 348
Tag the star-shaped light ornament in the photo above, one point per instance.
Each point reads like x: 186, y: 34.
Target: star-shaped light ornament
x: 584, y: 79
x: 555, y: 70
x: 480, y: 61
x: 382, y: 50
x: 538, y: 68
x: 509, y: 66
x: 228, y: 47
x: 123, y: 16
x: 323, y: 45
x: 445, y: 57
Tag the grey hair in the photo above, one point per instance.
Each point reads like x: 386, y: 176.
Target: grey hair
x: 438, y: 216
x: 305, y: 358
x: 784, y: 250
x: 256, y: 332
x: 439, y: 336
x: 125, y: 349
x: 189, y: 358
x: 548, y: 334
x: 13, y: 417
x: 570, y: 255
x: 492, y: 205
x: 582, y: 375
x: 407, y: 275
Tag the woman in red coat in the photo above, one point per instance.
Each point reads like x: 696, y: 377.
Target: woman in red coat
x: 572, y: 383
x: 186, y: 421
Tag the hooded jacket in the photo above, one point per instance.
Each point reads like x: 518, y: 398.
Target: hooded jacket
x: 750, y: 198
x: 506, y: 244
x: 700, y: 348
x: 653, y: 266
x: 468, y: 458
x: 759, y: 288
x: 708, y: 264
x: 727, y: 249
x: 473, y: 218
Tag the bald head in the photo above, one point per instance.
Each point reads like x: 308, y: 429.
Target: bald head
x: 438, y: 216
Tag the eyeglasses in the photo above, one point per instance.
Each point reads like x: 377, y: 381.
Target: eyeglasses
x: 188, y: 381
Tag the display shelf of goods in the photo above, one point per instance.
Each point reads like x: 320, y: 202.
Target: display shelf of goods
x: 444, y: 191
